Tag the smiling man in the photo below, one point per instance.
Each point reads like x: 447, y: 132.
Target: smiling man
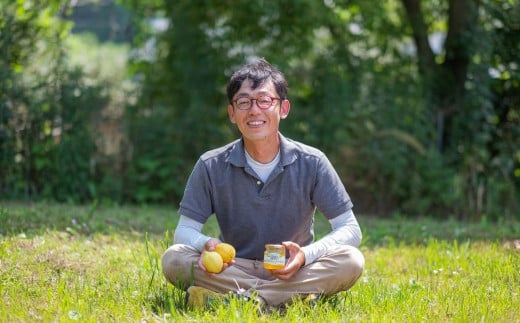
x: 264, y: 189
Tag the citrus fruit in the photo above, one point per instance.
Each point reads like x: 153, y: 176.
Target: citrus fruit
x: 226, y: 251
x: 212, y: 261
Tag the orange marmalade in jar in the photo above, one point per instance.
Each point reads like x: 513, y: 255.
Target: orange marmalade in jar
x: 274, y: 256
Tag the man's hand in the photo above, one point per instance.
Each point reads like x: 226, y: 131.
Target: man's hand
x: 295, y: 262
x: 210, y: 246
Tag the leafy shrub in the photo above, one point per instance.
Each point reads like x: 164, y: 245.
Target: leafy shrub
x: 47, y: 144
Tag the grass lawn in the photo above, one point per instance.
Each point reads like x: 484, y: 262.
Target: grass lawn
x: 97, y: 263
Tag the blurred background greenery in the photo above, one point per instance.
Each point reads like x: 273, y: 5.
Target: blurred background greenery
x: 416, y: 103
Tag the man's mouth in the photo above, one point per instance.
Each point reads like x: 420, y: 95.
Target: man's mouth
x: 255, y: 123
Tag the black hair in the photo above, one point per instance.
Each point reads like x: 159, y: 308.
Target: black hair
x: 258, y: 72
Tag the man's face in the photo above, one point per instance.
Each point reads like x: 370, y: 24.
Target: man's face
x: 256, y: 123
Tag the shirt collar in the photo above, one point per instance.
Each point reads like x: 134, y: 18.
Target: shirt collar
x: 288, y: 152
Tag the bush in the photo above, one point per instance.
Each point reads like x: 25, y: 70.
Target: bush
x: 45, y: 136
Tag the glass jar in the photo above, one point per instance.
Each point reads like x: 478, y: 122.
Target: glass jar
x: 274, y: 256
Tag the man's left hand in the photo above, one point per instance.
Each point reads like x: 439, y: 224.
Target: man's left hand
x: 294, y: 263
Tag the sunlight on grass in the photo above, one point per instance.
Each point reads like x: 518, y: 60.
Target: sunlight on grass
x: 440, y: 281
x: 106, y: 272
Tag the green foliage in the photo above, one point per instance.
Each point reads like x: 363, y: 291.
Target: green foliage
x: 487, y: 129
x: 104, y: 67
x: 408, y: 133
x: 173, y: 122
x: 356, y: 91
x: 47, y: 145
x: 62, y: 160
x: 154, y: 174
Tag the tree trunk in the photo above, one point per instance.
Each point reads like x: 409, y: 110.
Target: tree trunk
x: 445, y: 82
x: 462, y: 20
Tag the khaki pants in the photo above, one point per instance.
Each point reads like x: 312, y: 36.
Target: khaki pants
x: 336, y: 271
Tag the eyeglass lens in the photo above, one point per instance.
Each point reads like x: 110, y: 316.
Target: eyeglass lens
x: 262, y: 101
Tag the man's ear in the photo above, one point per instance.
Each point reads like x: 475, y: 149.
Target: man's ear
x: 284, y: 109
x: 231, y: 113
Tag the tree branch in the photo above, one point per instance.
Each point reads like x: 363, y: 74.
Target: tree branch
x: 420, y: 35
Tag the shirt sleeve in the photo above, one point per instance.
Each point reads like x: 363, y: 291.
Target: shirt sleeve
x: 196, y: 201
x: 345, y: 231
x: 189, y: 232
x: 329, y: 195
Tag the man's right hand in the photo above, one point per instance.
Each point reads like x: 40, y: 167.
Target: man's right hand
x: 210, y: 246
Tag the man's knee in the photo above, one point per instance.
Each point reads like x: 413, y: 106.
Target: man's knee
x: 356, y: 262
x: 352, y: 268
x: 178, y: 265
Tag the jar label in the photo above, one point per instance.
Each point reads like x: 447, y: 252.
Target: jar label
x: 274, y: 258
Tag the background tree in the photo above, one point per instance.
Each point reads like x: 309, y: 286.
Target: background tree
x: 46, y: 147
x: 366, y: 85
x: 461, y: 94
x: 415, y: 102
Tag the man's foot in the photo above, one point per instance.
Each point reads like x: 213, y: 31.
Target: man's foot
x: 251, y: 297
x: 200, y: 297
x: 311, y: 299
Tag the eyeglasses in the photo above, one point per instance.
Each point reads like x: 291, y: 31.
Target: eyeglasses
x: 262, y: 101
